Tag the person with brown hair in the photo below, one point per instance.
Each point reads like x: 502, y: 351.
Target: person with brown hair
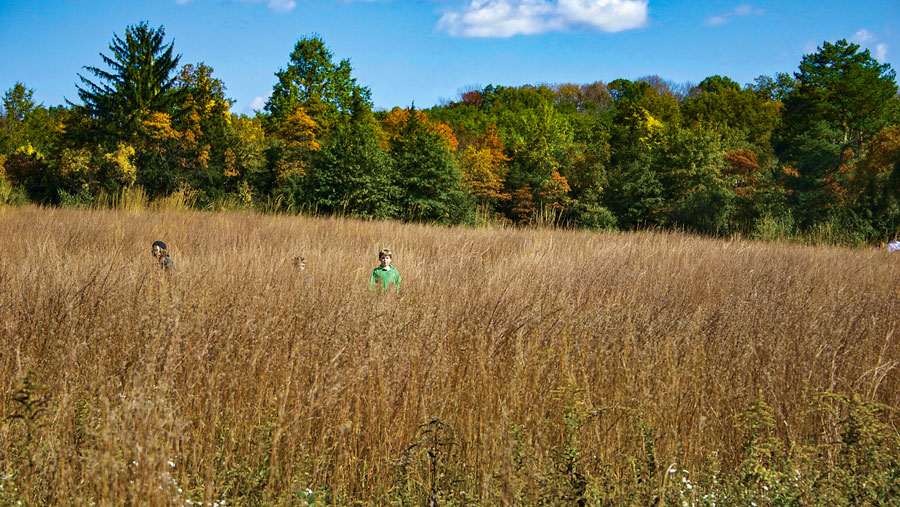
x: 158, y: 249
x: 385, y: 274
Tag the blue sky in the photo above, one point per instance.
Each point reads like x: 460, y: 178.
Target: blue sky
x: 427, y: 51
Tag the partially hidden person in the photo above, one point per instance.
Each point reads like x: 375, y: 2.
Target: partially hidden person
x: 894, y: 245
x: 159, y: 250
x: 385, y: 275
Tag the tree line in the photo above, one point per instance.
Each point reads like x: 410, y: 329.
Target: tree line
x: 816, y: 149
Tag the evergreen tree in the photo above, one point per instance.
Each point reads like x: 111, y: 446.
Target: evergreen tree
x: 139, y: 82
x: 842, y: 100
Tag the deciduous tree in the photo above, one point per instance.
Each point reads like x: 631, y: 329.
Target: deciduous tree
x: 483, y: 166
x: 324, y: 89
x: 427, y: 172
x: 351, y: 174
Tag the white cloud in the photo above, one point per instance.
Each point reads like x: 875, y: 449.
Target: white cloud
x: 868, y: 40
x: 505, y: 18
x: 499, y: 18
x: 862, y: 36
x: 607, y: 15
x: 740, y: 11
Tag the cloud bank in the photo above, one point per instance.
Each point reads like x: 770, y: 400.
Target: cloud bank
x: 505, y: 18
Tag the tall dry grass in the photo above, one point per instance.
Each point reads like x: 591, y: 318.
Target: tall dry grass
x: 241, y: 379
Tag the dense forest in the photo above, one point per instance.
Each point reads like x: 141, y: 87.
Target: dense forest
x: 815, y: 151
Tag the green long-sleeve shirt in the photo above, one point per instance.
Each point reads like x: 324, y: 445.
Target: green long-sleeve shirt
x: 385, y: 277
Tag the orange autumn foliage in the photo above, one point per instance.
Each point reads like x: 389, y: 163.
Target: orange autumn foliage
x: 555, y: 189
x: 483, y: 165
x: 299, y: 131
x: 398, y: 118
x: 158, y: 127
x: 883, y: 153
x: 743, y: 165
x: 523, y: 207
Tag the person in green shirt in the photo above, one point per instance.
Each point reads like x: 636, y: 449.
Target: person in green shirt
x: 385, y: 275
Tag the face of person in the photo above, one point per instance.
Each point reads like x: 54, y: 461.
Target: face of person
x: 386, y: 261
x: 155, y: 250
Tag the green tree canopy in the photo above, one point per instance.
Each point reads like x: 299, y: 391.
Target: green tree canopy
x: 743, y: 118
x: 27, y: 128
x: 18, y: 103
x: 774, y: 88
x: 351, y: 174
x: 845, y: 88
x: 427, y: 172
x: 842, y: 100
x: 315, y: 83
x: 139, y: 81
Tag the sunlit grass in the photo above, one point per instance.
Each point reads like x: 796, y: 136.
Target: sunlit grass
x: 240, y: 378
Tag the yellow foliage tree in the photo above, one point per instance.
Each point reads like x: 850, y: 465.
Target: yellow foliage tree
x: 484, y: 169
x: 120, y: 163
x: 158, y: 128
x: 183, y: 145
x: 247, y: 152
x: 648, y: 127
x: 76, y: 165
x: 299, y: 133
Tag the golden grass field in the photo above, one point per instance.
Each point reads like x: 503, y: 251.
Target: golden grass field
x: 508, y: 356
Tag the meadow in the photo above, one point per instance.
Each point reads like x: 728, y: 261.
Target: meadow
x: 514, y: 367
